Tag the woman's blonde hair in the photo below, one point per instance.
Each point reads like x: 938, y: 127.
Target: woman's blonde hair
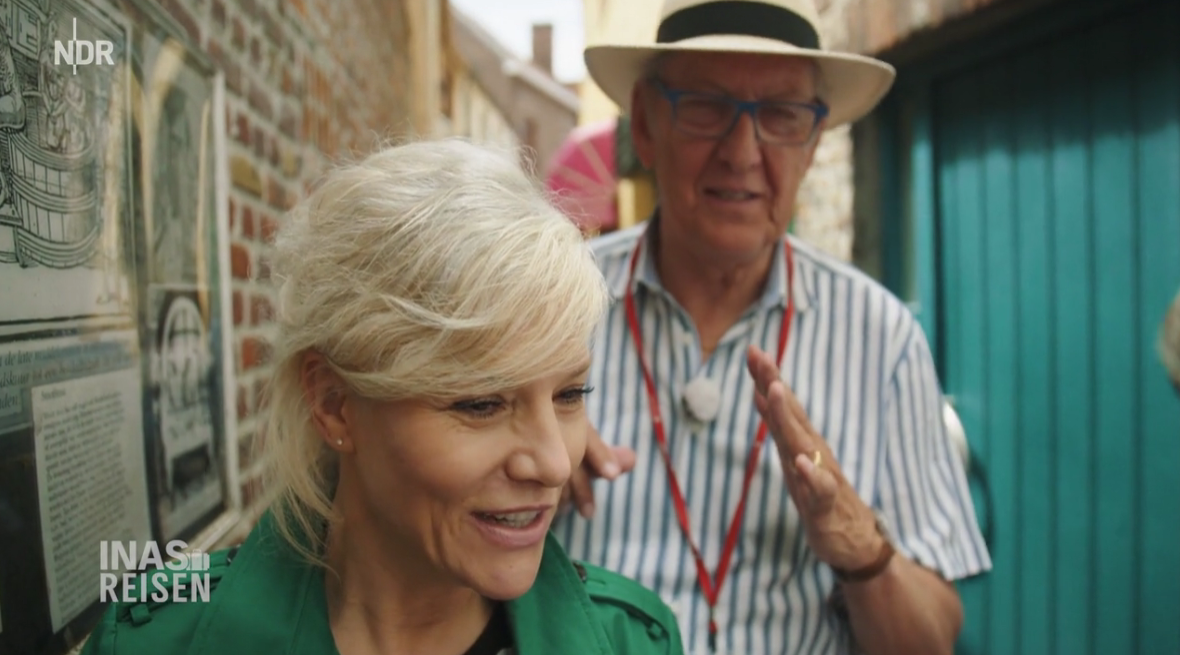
x: 427, y: 270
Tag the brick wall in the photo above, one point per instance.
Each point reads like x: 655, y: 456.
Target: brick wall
x: 306, y: 81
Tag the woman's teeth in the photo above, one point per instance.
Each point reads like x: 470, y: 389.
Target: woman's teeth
x: 512, y: 520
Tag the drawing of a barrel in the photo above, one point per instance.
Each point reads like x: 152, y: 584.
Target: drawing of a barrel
x: 56, y: 196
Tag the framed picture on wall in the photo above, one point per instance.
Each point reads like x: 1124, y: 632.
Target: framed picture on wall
x: 183, y: 279
x: 115, y: 365
x: 73, y: 470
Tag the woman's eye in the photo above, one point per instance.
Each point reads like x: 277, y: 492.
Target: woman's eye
x: 482, y: 408
x: 575, y: 395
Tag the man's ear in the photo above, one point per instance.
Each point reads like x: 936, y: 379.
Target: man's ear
x: 641, y: 138
x: 326, y: 396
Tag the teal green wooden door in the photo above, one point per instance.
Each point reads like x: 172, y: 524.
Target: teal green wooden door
x: 1058, y: 232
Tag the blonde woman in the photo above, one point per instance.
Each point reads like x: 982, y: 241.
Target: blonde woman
x: 426, y: 410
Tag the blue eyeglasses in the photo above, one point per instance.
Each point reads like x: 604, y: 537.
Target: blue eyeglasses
x: 713, y: 116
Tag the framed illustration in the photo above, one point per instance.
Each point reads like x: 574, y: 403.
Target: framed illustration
x: 65, y: 154
x: 182, y: 280
x: 116, y: 369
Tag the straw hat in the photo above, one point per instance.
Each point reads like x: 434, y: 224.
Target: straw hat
x: 852, y: 84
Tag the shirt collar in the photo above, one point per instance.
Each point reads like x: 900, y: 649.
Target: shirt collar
x: 774, y: 295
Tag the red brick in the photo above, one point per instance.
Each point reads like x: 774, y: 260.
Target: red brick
x: 218, y: 13
x: 322, y: 133
x: 239, y: 308
x: 271, y: 28
x: 288, y: 124
x: 288, y: 84
x: 256, y: 51
x: 239, y: 261
x: 272, y: 151
x: 276, y: 195
x: 216, y: 53
x: 248, y: 226
x: 261, y: 311
x: 269, y: 227
x: 242, y: 129
x: 249, y: 7
x: 260, y: 102
x: 239, y: 34
x: 309, y: 123
x: 255, y: 352
x: 258, y: 140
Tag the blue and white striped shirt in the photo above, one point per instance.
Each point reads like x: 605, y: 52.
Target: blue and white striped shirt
x: 859, y: 364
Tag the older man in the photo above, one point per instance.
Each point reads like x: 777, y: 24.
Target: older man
x: 847, y: 535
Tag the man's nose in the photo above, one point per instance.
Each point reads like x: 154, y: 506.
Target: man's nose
x: 739, y: 147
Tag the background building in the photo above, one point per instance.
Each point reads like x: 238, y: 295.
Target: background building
x: 541, y: 110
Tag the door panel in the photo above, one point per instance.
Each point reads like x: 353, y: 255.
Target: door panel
x: 1058, y: 196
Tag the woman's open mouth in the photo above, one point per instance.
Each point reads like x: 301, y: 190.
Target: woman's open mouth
x: 515, y: 528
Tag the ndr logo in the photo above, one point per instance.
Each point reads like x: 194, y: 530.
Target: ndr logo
x: 86, y: 53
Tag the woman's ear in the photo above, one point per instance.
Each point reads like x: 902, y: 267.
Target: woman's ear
x: 326, y: 396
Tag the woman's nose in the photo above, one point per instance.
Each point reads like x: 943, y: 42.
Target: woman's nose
x: 544, y: 454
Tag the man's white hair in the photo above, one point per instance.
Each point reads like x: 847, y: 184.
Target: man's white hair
x: 433, y: 269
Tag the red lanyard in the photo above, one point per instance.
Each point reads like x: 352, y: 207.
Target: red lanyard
x: 710, y: 585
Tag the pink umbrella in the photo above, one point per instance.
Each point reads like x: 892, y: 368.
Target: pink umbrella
x: 582, y: 176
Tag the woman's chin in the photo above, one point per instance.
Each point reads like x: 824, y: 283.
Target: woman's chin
x: 507, y: 577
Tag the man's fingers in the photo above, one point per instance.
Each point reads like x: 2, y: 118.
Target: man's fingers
x: 581, y: 492
x: 600, y: 458
x: 792, y: 437
x: 820, y: 482
x: 762, y: 368
x: 797, y: 412
x: 625, y: 458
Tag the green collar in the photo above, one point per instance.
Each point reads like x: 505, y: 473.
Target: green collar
x: 270, y: 601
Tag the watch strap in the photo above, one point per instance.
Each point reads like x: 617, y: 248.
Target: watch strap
x: 872, y: 570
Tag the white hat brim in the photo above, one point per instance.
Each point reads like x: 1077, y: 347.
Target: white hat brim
x: 852, y: 84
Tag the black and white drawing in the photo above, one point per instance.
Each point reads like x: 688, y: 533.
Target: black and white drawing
x: 185, y: 394
x: 180, y: 269
x: 64, y: 164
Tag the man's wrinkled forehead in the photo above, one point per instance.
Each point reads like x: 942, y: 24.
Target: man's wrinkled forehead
x: 762, y: 75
